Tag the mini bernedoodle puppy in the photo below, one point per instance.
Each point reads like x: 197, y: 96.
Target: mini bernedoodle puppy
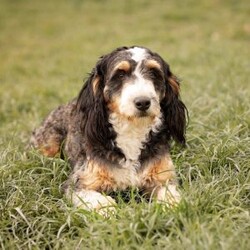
x: 116, y: 134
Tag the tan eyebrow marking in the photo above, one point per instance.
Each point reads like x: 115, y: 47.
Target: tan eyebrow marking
x: 123, y: 65
x: 152, y: 64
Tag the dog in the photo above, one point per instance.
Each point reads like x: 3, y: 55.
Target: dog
x: 116, y: 134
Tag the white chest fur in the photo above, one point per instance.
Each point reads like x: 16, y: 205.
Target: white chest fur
x: 131, y: 134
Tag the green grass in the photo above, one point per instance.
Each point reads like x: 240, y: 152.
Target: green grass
x: 48, y: 47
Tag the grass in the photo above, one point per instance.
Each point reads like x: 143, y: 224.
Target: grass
x: 48, y: 47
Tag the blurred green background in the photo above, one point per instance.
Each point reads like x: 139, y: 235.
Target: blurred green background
x: 48, y: 47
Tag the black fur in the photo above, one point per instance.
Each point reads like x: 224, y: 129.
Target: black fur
x: 174, y: 110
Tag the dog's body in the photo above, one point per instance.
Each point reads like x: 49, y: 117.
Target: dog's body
x: 116, y: 134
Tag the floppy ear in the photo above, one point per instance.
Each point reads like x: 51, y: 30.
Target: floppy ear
x: 175, y: 111
x: 92, y: 109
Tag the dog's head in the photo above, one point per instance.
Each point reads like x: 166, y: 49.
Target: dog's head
x: 135, y: 83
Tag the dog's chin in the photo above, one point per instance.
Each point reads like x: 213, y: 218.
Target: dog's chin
x: 141, y: 115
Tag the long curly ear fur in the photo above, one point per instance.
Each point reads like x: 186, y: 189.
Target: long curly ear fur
x: 91, y: 106
x: 94, y: 122
x: 175, y: 111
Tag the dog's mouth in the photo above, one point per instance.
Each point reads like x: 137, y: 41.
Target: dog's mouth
x: 142, y: 114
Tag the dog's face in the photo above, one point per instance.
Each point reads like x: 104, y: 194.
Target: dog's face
x: 134, y: 84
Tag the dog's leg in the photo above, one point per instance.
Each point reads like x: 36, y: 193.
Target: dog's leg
x: 159, y: 181
x: 85, y: 186
x: 48, y: 138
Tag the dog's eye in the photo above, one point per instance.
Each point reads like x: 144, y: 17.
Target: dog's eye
x: 121, y: 73
x: 155, y: 73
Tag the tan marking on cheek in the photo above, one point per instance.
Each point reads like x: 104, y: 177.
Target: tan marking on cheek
x: 113, y: 106
x: 95, y: 84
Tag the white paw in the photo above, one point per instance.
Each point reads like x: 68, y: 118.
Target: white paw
x: 169, y: 195
x: 93, y: 201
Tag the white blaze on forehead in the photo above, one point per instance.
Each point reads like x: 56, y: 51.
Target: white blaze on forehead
x: 140, y: 85
x: 138, y: 54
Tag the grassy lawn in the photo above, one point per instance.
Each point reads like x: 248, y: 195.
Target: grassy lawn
x: 46, y: 50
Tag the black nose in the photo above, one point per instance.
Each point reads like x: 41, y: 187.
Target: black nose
x: 142, y: 103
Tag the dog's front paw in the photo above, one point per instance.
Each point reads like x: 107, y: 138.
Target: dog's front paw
x: 169, y: 195
x: 105, y: 206
x: 94, y: 201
